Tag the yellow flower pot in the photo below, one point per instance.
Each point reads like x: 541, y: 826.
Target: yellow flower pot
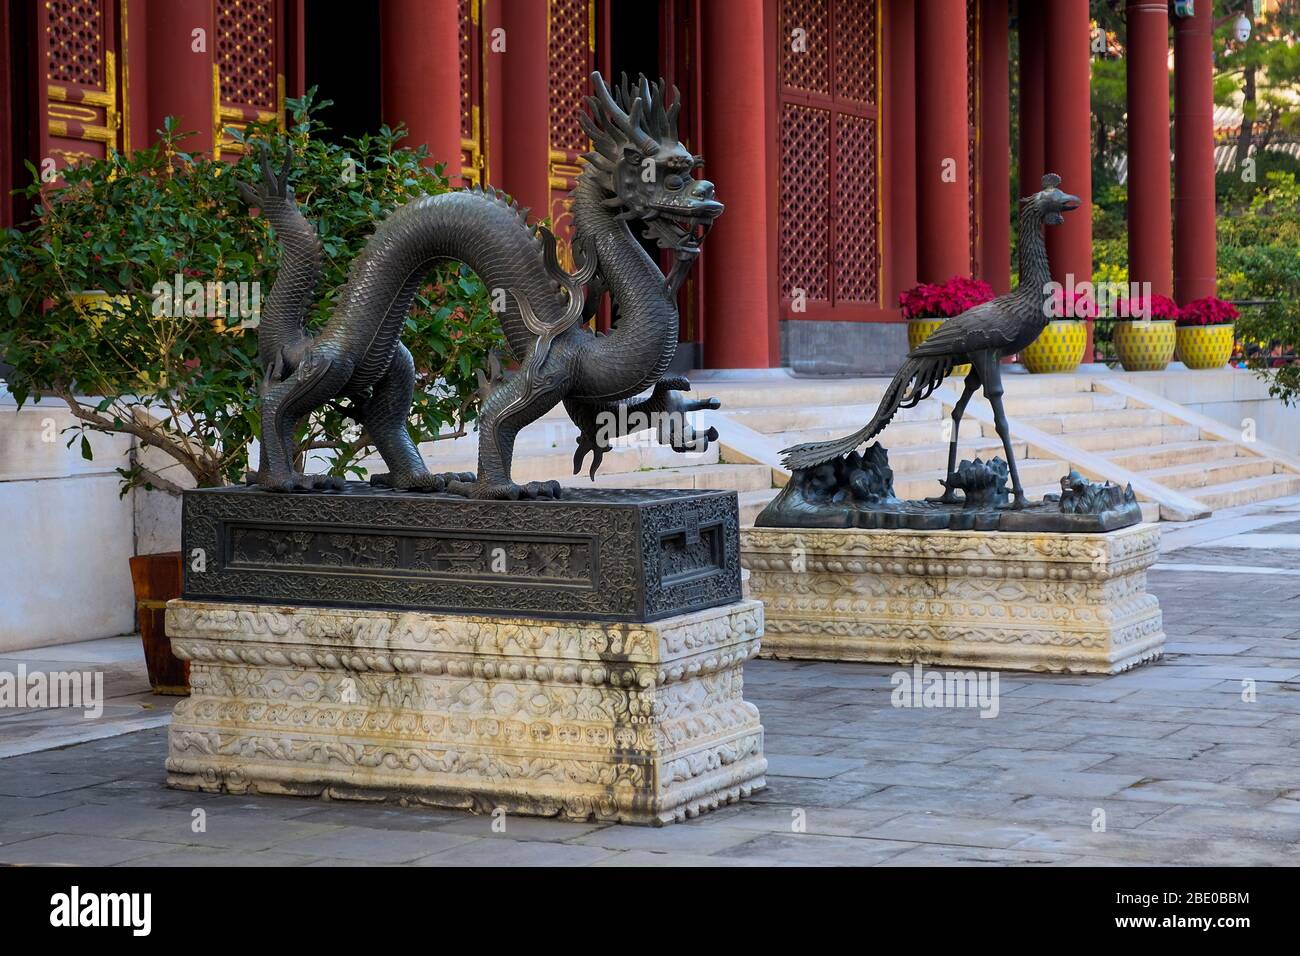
x: 918, y: 330
x: 96, y: 305
x: 1205, y: 346
x: 1145, y: 346
x: 1059, y: 348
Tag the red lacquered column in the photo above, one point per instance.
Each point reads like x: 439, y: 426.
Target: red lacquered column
x: 523, y: 160
x: 1068, y: 138
x: 1195, y: 258
x: 1032, y: 85
x: 942, y: 169
x: 1150, y: 250
x: 420, y: 78
x: 899, y: 199
x: 995, y: 145
x: 740, y: 292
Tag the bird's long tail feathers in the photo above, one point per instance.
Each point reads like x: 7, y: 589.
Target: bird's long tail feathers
x: 914, y: 381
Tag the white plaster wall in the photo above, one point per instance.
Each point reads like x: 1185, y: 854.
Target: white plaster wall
x: 65, y: 532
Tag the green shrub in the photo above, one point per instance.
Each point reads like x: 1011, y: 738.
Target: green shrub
x: 187, y: 384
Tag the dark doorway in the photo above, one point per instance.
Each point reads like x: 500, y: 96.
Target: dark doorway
x: 342, y: 61
x: 634, y: 40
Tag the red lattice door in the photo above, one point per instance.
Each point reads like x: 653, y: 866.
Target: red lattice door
x: 473, y: 89
x: 247, y: 68
x: 80, y: 105
x: 571, y: 44
x: 829, y: 244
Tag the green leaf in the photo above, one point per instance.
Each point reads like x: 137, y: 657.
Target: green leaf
x: 86, y: 453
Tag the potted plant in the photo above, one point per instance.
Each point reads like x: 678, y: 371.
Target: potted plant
x: 928, y: 305
x: 1205, y: 332
x: 1059, y: 348
x: 1144, y: 335
x: 165, y: 344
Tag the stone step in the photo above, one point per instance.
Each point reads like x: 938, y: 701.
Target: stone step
x: 1196, y: 475
x: 1023, y: 383
x: 739, y: 478
x: 752, y: 502
x: 1103, y: 440
x: 897, y: 435
x: 1060, y: 404
x: 1248, y: 490
x: 1070, y: 423
x: 792, y: 392
x: 1173, y: 453
x: 773, y: 420
x: 922, y: 459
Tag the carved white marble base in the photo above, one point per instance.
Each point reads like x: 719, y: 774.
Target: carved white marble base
x: 636, y: 723
x: 1018, y: 601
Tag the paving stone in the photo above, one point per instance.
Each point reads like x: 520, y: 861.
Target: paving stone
x: 499, y: 852
x: 784, y: 765
x: 1119, y: 814
x: 813, y: 850
x: 952, y: 830
x: 1010, y: 758
x: 77, y: 850
x: 373, y: 846
x: 909, y: 774
x: 210, y: 856
x: 1256, y: 824
x: 543, y: 829
x: 697, y: 836
x: 643, y: 858
x: 1197, y: 792
x: 812, y: 792
x: 971, y: 802
x: 934, y: 855
x: 1062, y: 783
x: 33, y: 784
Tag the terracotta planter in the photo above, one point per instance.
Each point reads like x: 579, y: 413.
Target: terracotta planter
x: 1059, y: 348
x: 157, y: 579
x: 1145, y: 346
x: 1205, y: 346
x: 918, y: 330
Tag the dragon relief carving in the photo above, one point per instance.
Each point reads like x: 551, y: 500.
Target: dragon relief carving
x: 637, y: 171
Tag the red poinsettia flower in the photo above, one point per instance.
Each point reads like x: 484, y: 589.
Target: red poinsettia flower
x: 1153, y: 309
x: 942, y: 301
x: 1079, y: 304
x: 1210, y: 310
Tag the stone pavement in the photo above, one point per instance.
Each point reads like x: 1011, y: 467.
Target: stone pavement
x: 1170, y: 764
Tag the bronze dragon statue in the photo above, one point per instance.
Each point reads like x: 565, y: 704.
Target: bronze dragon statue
x: 638, y: 170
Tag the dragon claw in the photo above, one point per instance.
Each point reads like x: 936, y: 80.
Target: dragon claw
x: 297, y: 481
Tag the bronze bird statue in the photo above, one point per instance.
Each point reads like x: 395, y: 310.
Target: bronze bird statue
x: 981, y: 336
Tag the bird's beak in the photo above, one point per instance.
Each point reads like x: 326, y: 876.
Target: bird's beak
x: 1071, y: 203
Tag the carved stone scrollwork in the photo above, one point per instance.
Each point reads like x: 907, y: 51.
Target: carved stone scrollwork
x: 637, y: 723
x: 1047, y: 602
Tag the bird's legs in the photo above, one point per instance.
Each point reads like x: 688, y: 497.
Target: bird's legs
x: 949, y: 495
x: 992, y: 370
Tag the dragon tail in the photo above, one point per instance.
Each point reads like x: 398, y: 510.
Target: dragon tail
x: 284, y: 314
x: 293, y: 293
x: 914, y: 381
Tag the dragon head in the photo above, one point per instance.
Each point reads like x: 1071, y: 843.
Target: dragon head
x: 1048, y: 204
x: 642, y: 167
